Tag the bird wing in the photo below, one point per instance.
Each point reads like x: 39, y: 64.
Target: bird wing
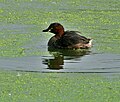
x: 72, y: 38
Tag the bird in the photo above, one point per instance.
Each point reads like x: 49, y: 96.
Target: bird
x: 67, y: 39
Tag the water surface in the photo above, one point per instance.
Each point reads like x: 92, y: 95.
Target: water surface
x: 92, y: 63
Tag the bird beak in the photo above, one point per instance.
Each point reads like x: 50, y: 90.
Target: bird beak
x: 46, y: 30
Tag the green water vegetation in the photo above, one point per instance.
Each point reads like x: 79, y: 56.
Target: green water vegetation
x: 21, y: 24
x: 58, y: 87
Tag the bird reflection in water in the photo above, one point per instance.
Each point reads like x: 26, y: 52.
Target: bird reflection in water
x: 56, y: 62
x: 59, y: 55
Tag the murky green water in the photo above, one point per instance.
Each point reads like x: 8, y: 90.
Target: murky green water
x: 23, y: 45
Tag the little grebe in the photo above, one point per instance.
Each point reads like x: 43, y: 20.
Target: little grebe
x: 67, y: 39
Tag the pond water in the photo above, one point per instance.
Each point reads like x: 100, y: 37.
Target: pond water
x: 91, y: 63
x: 24, y: 46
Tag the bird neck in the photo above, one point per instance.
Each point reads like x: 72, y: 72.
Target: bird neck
x: 60, y: 34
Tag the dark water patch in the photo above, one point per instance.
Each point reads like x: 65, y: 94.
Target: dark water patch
x: 92, y: 63
x: 66, y: 72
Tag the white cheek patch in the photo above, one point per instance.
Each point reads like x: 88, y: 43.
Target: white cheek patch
x: 50, y: 29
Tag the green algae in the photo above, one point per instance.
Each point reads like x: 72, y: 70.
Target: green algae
x: 60, y: 87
